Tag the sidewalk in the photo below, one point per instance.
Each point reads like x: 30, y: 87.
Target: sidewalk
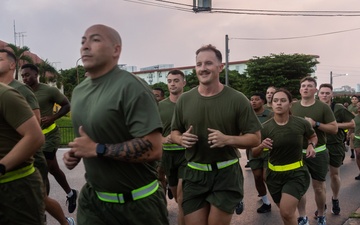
x: 354, y: 218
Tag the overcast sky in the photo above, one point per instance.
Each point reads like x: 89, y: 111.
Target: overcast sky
x: 156, y: 35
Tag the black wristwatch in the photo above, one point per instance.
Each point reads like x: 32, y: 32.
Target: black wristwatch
x: 317, y: 124
x: 2, y: 169
x: 310, y: 143
x: 100, y: 149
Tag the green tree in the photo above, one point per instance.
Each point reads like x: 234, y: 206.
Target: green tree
x: 45, y: 67
x: 236, y: 80
x: 281, y: 71
x: 70, y: 79
x: 163, y: 86
x: 20, y: 55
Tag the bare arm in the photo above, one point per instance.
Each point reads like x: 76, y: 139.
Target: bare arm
x: 248, y: 140
x: 266, y: 143
x: 186, y: 139
x: 310, y: 152
x: 142, y: 149
x: 347, y: 125
x: 145, y: 149
x: 31, y: 141
x: 65, y: 108
x: 37, y: 114
x: 329, y: 128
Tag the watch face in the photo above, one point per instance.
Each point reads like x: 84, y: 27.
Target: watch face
x: 100, y: 149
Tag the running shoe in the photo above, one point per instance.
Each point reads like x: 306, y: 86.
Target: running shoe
x: 321, y: 220
x: 335, y: 207
x: 70, y: 220
x: 303, y: 221
x: 239, y: 208
x: 264, y: 208
x: 71, y: 201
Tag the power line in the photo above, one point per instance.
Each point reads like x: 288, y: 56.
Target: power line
x: 255, y: 12
x: 144, y: 2
x: 297, y: 37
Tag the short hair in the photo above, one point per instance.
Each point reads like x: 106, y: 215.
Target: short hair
x: 355, y: 97
x: 308, y: 78
x: 210, y: 48
x: 177, y: 72
x: 30, y: 66
x: 162, y: 93
x: 9, y: 54
x: 326, y: 85
x: 261, y: 95
x: 288, y: 94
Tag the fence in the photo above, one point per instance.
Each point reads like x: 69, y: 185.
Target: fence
x: 67, y: 135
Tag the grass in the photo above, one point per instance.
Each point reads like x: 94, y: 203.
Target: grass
x: 64, y: 121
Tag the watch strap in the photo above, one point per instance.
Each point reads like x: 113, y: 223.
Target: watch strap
x: 2, y: 169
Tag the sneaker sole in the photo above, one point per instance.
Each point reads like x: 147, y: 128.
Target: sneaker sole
x: 335, y: 213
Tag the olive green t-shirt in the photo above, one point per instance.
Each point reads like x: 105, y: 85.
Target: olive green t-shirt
x: 264, y: 116
x: 229, y: 112
x: 115, y: 108
x: 47, y: 96
x: 287, y: 139
x: 166, y: 109
x: 14, y: 111
x: 342, y: 115
x: 357, y: 125
x: 353, y: 109
x: 26, y: 92
x: 319, y: 112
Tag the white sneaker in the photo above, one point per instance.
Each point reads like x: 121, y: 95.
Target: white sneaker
x: 70, y: 220
x: 303, y: 220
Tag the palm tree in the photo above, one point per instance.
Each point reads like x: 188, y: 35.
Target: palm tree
x: 44, y: 67
x: 19, y: 54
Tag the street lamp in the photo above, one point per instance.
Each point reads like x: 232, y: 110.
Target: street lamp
x: 336, y: 75
x: 77, y: 70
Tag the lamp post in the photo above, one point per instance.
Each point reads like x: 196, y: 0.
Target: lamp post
x: 336, y: 75
x: 77, y: 70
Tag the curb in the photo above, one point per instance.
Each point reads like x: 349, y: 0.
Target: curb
x: 354, y: 218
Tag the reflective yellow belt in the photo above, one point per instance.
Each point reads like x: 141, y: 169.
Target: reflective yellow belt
x: 357, y: 137
x: 49, y: 128
x: 173, y: 147
x: 317, y: 149
x: 213, y: 166
x: 286, y: 167
x: 17, y: 174
x: 136, y: 194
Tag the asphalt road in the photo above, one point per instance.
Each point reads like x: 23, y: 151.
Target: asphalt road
x: 349, y: 196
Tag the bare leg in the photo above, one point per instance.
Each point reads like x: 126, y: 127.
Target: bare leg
x: 55, y: 210
x: 287, y: 207
x: 181, y: 220
x: 58, y: 174
x: 320, y: 195
x: 259, y: 181
x: 335, y: 181
x: 302, y: 206
x: 199, y: 217
x: 218, y: 217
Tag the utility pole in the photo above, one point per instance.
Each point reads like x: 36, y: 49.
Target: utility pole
x: 14, y: 34
x: 227, y: 51
x: 331, y: 78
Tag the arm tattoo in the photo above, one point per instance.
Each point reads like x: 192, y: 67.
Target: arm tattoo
x: 136, y: 149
